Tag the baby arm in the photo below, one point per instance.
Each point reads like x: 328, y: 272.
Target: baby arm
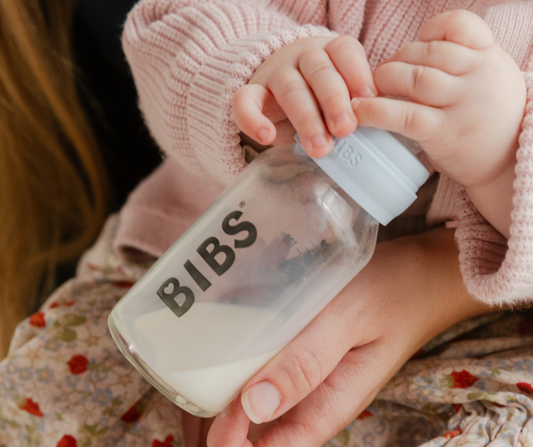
x: 466, y: 104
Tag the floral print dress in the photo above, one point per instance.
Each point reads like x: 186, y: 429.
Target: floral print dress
x: 65, y: 384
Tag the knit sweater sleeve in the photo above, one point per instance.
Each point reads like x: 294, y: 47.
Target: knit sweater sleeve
x: 495, y: 270
x: 188, y: 57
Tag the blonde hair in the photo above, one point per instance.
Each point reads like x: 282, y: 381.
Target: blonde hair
x: 52, y: 182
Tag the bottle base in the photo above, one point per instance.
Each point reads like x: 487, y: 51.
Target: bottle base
x: 151, y: 376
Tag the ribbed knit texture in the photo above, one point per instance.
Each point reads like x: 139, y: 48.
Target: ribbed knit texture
x: 188, y: 61
x: 189, y: 57
x: 493, y: 269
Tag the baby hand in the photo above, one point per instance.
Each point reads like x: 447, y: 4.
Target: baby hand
x: 306, y: 88
x: 467, y: 98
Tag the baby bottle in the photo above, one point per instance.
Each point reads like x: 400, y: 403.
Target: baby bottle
x: 270, y: 253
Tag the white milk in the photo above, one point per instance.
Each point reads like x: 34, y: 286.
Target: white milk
x: 190, y: 353
x: 212, y: 388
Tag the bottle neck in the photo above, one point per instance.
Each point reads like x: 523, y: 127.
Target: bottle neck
x: 375, y: 170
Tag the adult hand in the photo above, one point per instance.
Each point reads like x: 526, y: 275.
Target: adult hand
x: 306, y: 88
x: 466, y: 105
x: 410, y: 291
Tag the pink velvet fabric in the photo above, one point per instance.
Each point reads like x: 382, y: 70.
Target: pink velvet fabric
x: 188, y: 57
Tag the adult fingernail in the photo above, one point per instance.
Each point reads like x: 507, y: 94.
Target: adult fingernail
x: 260, y: 402
x: 366, y: 92
x: 226, y: 410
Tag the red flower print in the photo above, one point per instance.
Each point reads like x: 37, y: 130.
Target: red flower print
x: 78, y: 364
x: 132, y: 415
x: 57, y: 304
x: 525, y: 387
x: 166, y: 443
x: 453, y: 434
x: 364, y: 414
x: 67, y: 441
x: 31, y: 407
x: 463, y: 379
x: 37, y: 320
x: 123, y: 284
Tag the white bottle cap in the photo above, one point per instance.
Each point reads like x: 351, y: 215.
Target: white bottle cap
x: 376, y: 170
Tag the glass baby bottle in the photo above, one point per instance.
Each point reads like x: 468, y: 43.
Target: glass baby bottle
x: 272, y: 251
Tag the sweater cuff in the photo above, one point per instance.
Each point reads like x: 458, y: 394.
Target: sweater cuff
x: 443, y: 206
x: 212, y: 131
x: 497, y: 271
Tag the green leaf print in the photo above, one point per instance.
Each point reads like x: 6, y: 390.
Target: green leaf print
x: 475, y: 396
x: 446, y: 382
x: 4, y: 420
x: 432, y: 408
x: 85, y: 442
x: 101, y: 432
x: 33, y: 439
x: 89, y: 429
x: 74, y: 320
x: 92, y: 430
x: 343, y: 437
x: 66, y: 334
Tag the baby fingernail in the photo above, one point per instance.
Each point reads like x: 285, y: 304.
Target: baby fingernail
x: 366, y: 92
x: 355, y: 103
x: 262, y: 134
x: 260, y: 402
x: 319, y: 140
x: 342, y: 119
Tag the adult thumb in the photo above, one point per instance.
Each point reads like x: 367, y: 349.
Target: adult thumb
x: 297, y: 370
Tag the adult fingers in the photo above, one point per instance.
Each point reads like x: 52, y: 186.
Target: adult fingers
x: 306, y: 362
x: 416, y: 121
x: 295, y: 372
x: 338, y: 400
x: 248, y: 104
x: 230, y: 428
x: 421, y: 84
x: 459, y: 26
x: 330, y: 91
x: 295, y: 97
x: 446, y: 56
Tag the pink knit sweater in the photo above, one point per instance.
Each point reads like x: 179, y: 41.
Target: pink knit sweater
x: 189, y: 56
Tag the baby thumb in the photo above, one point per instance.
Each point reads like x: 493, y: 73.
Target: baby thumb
x: 461, y: 27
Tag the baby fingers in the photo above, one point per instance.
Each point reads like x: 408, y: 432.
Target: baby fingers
x: 418, y: 83
x: 248, y: 104
x: 446, y: 56
x: 330, y: 91
x: 460, y: 26
x: 297, y: 99
x: 416, y: 121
